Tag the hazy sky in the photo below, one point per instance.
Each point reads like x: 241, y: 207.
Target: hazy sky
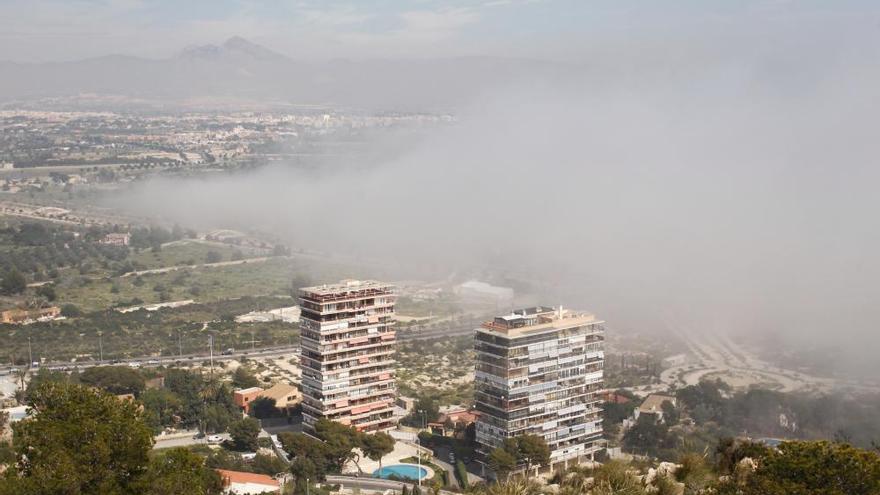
x: 53, y: 30
x: 736, y: 195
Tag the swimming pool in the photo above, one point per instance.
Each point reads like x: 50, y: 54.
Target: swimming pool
x: 404, y: 471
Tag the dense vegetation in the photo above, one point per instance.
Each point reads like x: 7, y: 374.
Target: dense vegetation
x: 83, y: 441
x: 40, y: 250
x: 165, y: 332
x: 314, y: 458
x: 188, y: 399
x: 713, y: 411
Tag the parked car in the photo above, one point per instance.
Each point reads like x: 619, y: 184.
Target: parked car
x: 215, y: 439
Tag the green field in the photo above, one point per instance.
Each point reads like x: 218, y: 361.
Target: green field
x: 202, y: 284
x: 186, y: 252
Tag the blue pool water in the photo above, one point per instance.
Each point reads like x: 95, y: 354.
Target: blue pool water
x: 408, y: 471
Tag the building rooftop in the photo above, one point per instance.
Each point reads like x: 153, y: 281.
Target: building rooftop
x: 242, y: 477
x: 249, y: 390
x: 536, y: 319
x: 654, y: 403
x: 280, y: 391
x: 346, y: 286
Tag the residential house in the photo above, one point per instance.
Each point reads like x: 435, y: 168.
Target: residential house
x: 241, y: 483
x: 243, y: 397
x: 286, y: 396
x: 653, y: 405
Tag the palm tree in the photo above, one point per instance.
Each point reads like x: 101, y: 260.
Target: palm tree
x: 518, y: 487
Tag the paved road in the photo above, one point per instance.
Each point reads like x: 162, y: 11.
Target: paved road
x: 147, y: 361
x: 165, y: 360
x: 184, y: 440
x: 167, y: 269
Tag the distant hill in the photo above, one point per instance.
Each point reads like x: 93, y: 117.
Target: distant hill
x: 241, y: 69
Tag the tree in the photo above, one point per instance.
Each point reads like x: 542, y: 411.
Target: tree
x: 671, y: 415
x: 78, y: 440
x: 13, y: 282
x: 647, y: 435
x: 533, y: 450
x: 340, y: 440
x: 162, y: 407
x: 805, y: 468
x: 70, y: 311
x: 114, y: 379
x: 263, y: 407
x: 426, y: 410
x: 243, y: 378
x: 268, y: 464
x: 311, y: 459
x: 377, y: 446
x: 501, y: 462
x: 213, y: 257
x: 244, y: 433
x: 180, y: 471
x: 47, y: 291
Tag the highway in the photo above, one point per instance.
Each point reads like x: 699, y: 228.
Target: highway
x: 148, y: 361
x: 152, y: 361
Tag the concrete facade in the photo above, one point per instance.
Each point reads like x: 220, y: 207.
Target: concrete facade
x: 348, y: 342
x: 540, y: 371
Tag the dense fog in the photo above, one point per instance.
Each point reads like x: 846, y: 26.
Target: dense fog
x: 722, y: 191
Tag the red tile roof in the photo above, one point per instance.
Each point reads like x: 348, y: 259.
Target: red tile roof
x: 242, y: 477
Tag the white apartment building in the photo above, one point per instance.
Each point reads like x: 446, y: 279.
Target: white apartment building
x: 539, y: 371
x: 348, y: 342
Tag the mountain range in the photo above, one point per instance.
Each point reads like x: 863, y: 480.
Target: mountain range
x: 242, y: 70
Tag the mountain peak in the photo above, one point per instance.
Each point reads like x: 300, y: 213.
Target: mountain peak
x: 237, y: 43
x: 234, y: 47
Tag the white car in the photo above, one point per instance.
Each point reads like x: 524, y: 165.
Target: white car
x: 215, y: 439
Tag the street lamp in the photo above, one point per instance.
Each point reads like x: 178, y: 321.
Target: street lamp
x: 419, y: 443
x: 211, y: 343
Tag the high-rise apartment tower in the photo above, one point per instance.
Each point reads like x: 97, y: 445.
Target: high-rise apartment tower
x: 348, y: 342
x: 539, y: 371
